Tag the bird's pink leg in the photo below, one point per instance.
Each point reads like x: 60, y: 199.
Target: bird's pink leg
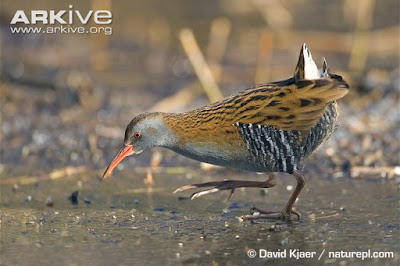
x: 287, y: 211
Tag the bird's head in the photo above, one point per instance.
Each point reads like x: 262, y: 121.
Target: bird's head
x: 145, y: 131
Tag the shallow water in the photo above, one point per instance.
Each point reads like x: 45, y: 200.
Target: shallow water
x: 127, y: 224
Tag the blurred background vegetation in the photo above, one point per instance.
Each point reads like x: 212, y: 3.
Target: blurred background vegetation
x: 66, y: 98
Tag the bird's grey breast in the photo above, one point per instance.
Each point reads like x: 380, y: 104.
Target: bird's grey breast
x: 214, y: 154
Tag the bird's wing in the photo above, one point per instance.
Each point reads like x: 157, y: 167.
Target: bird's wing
x: 289, y: 105
x: 294, y: 104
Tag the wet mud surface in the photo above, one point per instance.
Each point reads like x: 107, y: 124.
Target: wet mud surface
x: 125, y: 223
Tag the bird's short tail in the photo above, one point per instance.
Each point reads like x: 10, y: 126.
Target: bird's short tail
x: 318, y: 84
x: 306, y: 67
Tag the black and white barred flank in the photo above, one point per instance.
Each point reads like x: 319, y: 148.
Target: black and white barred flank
x: 285, y: 151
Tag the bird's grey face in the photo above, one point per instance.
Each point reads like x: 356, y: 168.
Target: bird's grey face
x: 143, y: 132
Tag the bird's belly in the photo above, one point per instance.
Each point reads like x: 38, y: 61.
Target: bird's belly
x: 237, y: 157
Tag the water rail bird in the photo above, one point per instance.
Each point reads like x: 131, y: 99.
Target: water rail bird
x: 271, y: 127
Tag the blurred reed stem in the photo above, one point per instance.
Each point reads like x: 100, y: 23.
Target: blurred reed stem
x: 219, y: 34
x: 359, y: 49
x: 200, y: 65
x: 100, y: 58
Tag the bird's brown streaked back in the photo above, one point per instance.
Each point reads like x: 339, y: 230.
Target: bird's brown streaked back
x: 286, y: 105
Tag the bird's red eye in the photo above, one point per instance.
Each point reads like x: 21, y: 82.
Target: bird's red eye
x: 136, y: 135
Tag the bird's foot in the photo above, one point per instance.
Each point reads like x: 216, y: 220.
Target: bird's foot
x: 257, y: 213
x: 226, y: 185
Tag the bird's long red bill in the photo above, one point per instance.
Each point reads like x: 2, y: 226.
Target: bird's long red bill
x: 125, y: 151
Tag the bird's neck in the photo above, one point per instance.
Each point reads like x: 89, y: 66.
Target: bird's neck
x: 200, y: 126
x: 180, y: 125
x: 161, y: 128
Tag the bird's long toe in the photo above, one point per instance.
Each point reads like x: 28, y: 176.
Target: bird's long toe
x: 225, y: 185
x: 215, y: 187
x: 208, y: 191
x: 183, y: 188
x: 269, y: 215
x: 257, y: 213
